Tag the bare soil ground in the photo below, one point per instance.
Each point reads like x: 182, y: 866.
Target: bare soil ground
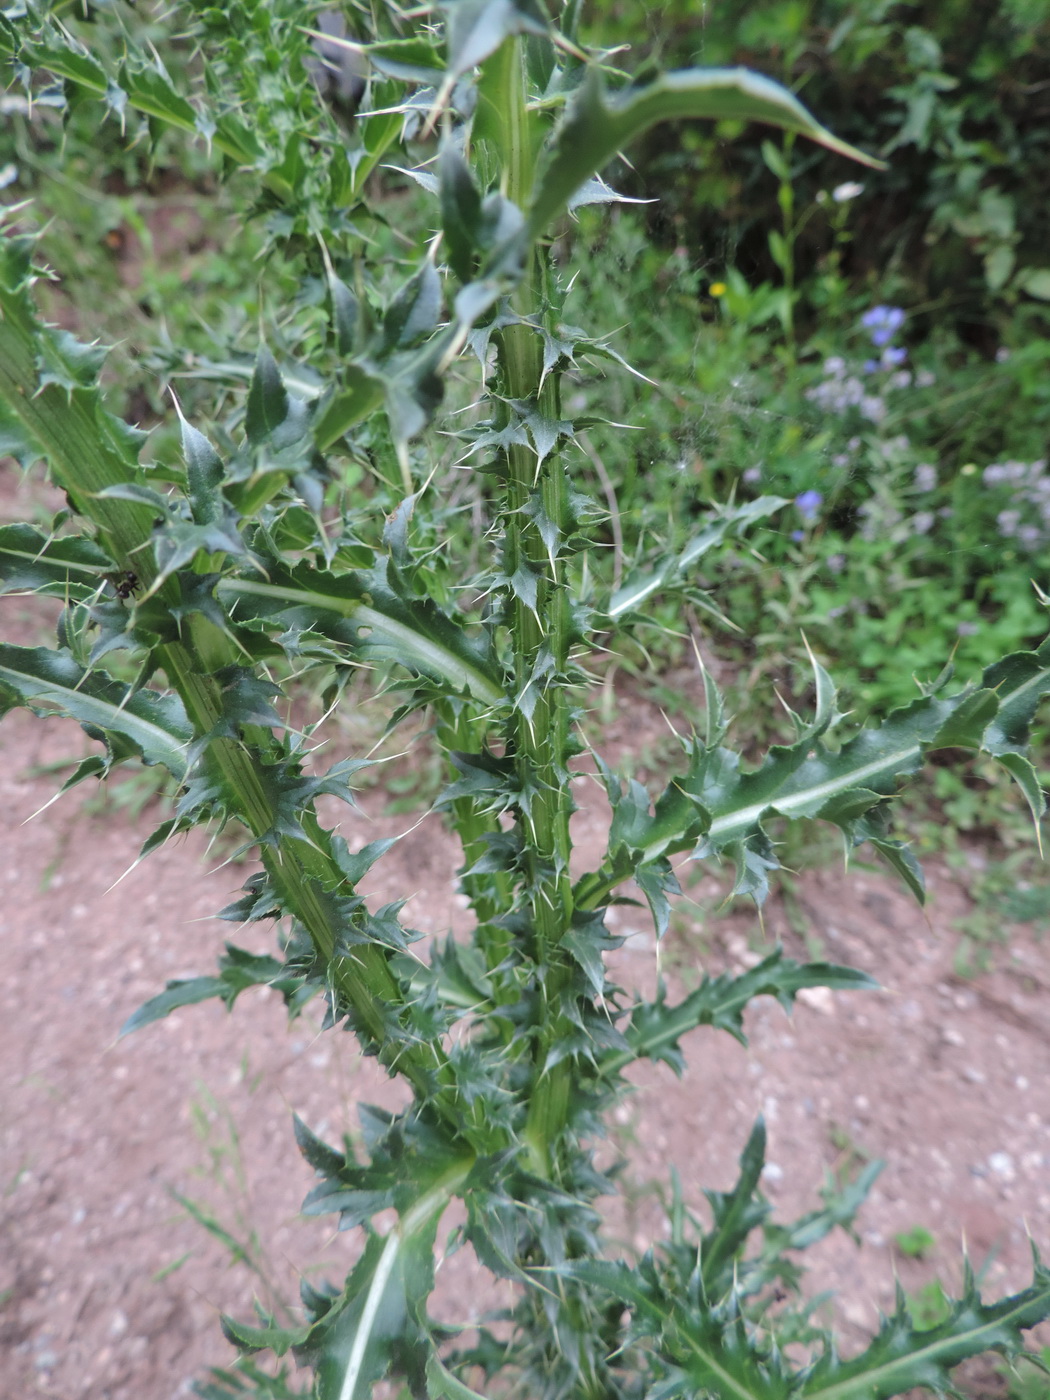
x: 110, y: 1289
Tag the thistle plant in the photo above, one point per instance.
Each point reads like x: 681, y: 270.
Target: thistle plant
x: 194, y: 588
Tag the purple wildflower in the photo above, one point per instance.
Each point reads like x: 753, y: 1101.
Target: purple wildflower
x: 882, y: 323
x: 809, y: 503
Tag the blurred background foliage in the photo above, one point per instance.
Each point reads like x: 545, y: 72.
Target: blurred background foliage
x: 953, y: 93
x: 933, y: 515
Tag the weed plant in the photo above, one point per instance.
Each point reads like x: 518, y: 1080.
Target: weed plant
x: 309, y: 529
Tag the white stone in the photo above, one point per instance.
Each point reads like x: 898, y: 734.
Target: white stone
x: 819, y: 998
x: 1002, y: 1164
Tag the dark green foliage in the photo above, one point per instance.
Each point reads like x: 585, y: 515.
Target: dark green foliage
x: 214, y: 572
x: 913, y: 553
x: 946, y: 92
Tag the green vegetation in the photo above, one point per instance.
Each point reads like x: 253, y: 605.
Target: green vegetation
x: 916, y: 1242
x: 404, y: 331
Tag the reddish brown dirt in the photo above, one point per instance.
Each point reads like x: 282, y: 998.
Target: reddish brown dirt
x: 109, y: 1290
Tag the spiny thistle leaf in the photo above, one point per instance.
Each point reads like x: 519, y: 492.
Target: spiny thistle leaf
x: 248, y: 1379
x: 443, y: 1385
x: 736, y: 1214
x: 655, y: 1027
x: 720, y: 810
x: 52, y: 682
x: 598, y: 124
x: 687, y: 1334
x: 903, y: 1358
x: 49, y: 382
x: 643, y: 584
x: 367, y: 613
x: 475, y: 28
x: 377, y: 1327
x: 268, y: 400
x: 139, y: 82
x: 70, y: 567
x: 238, y: 971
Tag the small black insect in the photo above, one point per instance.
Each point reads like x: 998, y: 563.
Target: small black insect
x: 125, y: 584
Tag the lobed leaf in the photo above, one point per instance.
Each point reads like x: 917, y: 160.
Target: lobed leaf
x: 655, y: 1027
x: 52, y: 682
x: 370, y: 613
x: 720, y: 809
x: 238, y: 970
x: 598, y: 124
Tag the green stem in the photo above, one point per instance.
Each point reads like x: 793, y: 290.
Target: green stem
x: 539, y: 731
x: 86, y: 455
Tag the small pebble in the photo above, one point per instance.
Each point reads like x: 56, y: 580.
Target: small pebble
x: 819, y: 998
x: 1002, y: 1164
x: 856, y: 1313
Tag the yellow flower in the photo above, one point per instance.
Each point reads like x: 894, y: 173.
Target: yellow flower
x: 717, y: 289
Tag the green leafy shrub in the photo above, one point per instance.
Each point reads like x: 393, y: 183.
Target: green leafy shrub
x: 950, y: 91
x: 919, y: 502
x: 194, y: 584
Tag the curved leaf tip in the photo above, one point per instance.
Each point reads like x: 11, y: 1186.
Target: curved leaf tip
x: 598, y: 124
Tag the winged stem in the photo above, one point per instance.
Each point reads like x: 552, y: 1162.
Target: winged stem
x: 534, y: 517
x: 87, y: 455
